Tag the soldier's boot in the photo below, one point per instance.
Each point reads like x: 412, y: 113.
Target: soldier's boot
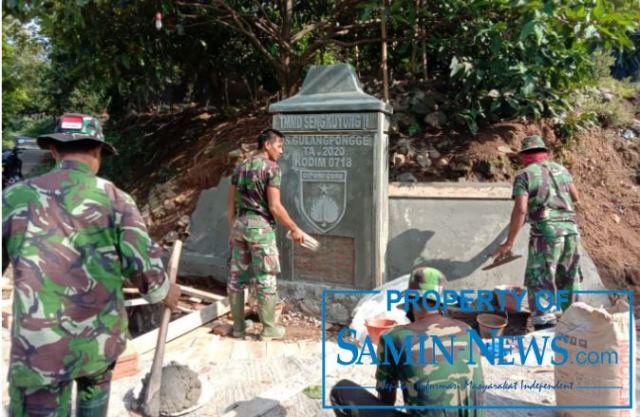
x: 95, y: 407
x: 236, y: 303
x: 267, y: 313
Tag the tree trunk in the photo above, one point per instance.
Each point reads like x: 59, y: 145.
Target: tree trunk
x: 383, y: 63
x: 423, y: 32
x: 286, y: 7
x: 414, y: 43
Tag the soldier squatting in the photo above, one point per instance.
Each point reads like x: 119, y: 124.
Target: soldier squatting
x: 73, y: 239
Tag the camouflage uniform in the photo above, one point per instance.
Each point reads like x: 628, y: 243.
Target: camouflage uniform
x: 253, y: 238
x: 422, y: 384
x: 72, y: 239
x: 553, y: 258
x: 425, y: 380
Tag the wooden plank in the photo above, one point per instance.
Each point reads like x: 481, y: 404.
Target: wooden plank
x: 135, y: 302
x: 185, y: 324
x: 205, y: 295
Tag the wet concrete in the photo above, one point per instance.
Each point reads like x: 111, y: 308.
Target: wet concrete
x: 180, y: 388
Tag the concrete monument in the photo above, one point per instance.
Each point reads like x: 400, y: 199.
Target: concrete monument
x: 335, y: 179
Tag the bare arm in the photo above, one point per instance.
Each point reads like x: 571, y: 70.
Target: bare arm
x: 518, y: 215
x: 281, y: 215
x: 231, y: 206
x: 574, y: 193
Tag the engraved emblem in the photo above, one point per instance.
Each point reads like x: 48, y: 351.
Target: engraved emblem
x: 323, y: 195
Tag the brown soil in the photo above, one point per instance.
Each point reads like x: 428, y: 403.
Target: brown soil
x: 605, y: 170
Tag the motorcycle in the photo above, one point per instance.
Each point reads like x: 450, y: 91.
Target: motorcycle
x: 11, y: 166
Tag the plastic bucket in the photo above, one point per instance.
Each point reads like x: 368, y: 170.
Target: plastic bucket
x: 491, y: 325
x: 376, y: 327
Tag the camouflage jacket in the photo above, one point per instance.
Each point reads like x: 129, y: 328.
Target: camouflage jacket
x: 72, y: 239
x: 251, y: 178
x: 550, y: 209
x: 428, y: 379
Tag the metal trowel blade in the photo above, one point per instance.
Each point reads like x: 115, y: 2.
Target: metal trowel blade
x: 501, y: 261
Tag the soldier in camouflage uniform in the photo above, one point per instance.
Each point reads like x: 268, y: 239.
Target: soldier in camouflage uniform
x: 544, y: 192
x: 428, y: 382
x: 72, y: 239
x: 253, y: 206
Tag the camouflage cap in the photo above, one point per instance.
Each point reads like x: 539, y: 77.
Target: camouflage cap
x: 74, y: 127
x: 533, y: 142
x: 425, y: 279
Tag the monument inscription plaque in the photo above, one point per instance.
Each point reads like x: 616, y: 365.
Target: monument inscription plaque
x: 335, y: 179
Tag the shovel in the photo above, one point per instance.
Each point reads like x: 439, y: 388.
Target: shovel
x: 151, y: 401
x: 505, y: 259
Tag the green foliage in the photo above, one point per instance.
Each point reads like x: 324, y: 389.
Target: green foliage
x: 131, y: 151
x: 23, y: 68
x: 512, y: 58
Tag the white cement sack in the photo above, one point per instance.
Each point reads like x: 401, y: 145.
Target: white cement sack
x: 600, y: 338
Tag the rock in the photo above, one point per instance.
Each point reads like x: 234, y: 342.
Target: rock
x: 442, y: 163
x: 616, y: 218
x: 635, y: 126
x: 405, y: 120
x: 607, y: 96
x: 462, y: 166
x: 310, y: 308
x: 437, y: 119
x: 180, y: 199
x: 247, y: 147
x: 628, y: 134
x: 505, y: 150
x: 184, y: 220
x: 407, y: 177
x: 444, y: 144
x: 171, y: 237
x: 423, y: 106
x: 423, y: 160
x: 203, y: 116
x: 417, y: 95
x: 169, y: 204
x: 398, y: 159
x: 237, y: 153
x: 337, y: 313
x: 434, y: 154
x: 404, y: 146
x: 401, y: 104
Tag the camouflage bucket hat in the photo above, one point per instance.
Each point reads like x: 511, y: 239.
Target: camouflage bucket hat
x: 533, y: 142
x: 425, y: 279
x: 74, y: 127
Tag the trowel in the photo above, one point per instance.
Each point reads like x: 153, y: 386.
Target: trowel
x: 501, y: 260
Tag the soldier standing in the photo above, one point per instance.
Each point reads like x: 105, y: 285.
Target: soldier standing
x: 427, y: 379
x: 253, y: 206
x: 72, y: 239
x: 544, y: 191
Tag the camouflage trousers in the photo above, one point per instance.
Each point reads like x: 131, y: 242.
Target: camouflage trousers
x: 552, y: 264
x: 254, y: 250
x: 55, y: 400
